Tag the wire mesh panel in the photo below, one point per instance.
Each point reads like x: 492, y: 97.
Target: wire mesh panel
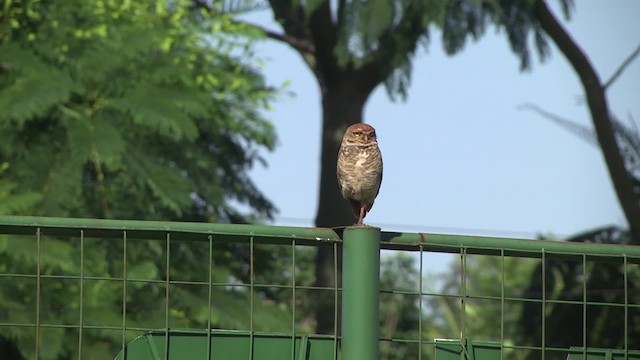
x: 79, y: 289
x: 84, y: 288
x: 521, y: 299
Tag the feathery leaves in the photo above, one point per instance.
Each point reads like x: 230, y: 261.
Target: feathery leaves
x: 139, y: 110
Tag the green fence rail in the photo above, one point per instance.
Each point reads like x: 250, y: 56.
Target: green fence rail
x: 31, y: 326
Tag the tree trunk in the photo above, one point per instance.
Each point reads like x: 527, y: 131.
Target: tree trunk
x: 597, y: 102
x: 345, y: 90
x: 342, y: 105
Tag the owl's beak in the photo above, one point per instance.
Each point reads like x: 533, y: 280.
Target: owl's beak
x: 366, y: 137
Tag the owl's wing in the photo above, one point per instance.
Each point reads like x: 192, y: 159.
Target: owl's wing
x: 379, y: 182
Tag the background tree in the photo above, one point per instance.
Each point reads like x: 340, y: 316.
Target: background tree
x: 133, y: 106
x: 625, y: 185
x: 620, y: 145
x: 399, y: 312
x: 605, y: 282
x: 486, y: 280
x: 12, y: 201
x: 138, y: 110
x: 565, y: 284
x: 351, y: 47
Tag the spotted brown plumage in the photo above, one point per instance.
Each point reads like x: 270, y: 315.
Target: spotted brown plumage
x: 359, y: 168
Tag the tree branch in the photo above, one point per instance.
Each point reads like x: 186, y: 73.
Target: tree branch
x: 294, y: 22
x: 301, y: 45
x: 578, y: 129
x: 622, y: 67
x: 298, y: 43
x: 600, y: 115
x: 323, y: 31
x: 291, y: 17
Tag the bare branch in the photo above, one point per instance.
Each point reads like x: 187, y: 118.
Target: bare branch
x: 622, y: 67
x: 296, y: 43
x: 299, y: 44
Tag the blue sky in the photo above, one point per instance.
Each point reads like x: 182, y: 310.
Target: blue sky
x: 459, y: 155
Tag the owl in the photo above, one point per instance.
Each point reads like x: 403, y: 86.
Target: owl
x: 359, y: 168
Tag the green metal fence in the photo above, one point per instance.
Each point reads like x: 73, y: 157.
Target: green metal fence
x: 462, y: 319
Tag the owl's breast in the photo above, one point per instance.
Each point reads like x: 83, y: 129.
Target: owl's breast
x: 360, y: 172
x: 362, y: 158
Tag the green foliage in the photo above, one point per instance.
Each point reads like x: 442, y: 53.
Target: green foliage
x: 12, y: 202
x: 399, y: 313
x: 486, y: 277
x: 517, y: 18
x: 145, y: 291
x: 628, y: 137
x: 613, y: 284
x: 105, y: 101
x: 388, y: 33
x: 138, y: 110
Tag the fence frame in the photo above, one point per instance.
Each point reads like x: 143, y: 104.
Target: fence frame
x: 361, y: 257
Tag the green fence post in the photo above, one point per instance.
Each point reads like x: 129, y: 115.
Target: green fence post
x: 360, y: 293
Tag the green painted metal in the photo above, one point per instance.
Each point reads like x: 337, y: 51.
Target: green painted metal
x: 312, y: 236
x: 225, y: 345
x: 238, y: 233
x: 467, y: 350
x: 578, y: 353
x: 360, y: 293
x: 512, y: 247
x: 454, y: 349
x: 360, y: 290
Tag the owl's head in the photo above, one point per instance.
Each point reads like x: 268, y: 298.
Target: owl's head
x: 360, y: 134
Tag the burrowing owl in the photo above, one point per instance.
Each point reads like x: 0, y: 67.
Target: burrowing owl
x: 359, y: 168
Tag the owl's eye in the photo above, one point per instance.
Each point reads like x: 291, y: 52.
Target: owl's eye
x: 357, y: 133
